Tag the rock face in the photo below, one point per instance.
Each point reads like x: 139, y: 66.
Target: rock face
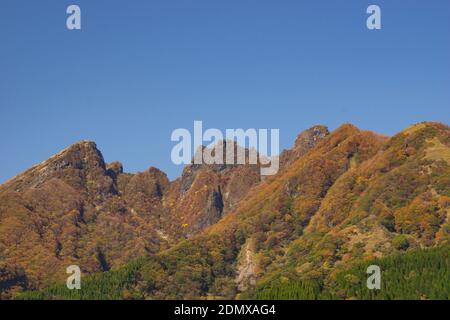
x: 204, y: 193
x: 81, y: 166
x: 114, y: 168
x: 305, y: 141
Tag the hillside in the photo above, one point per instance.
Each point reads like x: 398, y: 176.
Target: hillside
x: 418, y: 274
x: 340, y: 199
x: 75, y: 209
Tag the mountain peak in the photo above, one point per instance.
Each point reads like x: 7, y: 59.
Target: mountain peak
x: 80, y: 156
x: 304, y: 142
x: 84, y: 143
x: 348, y: 128
x: 424, y: 125
x: 309, y: 138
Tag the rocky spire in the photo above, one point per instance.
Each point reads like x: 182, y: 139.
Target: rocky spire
x: 304, y: 142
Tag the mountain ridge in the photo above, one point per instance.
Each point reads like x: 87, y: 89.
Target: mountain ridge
x: 329, y: 205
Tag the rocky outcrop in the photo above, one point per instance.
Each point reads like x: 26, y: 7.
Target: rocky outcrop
x: 305, y: 141
x: 114, y: 169
x: 206, y: 192
x: 81, y: 166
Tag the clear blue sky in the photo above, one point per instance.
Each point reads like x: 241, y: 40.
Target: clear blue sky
x: 139, y: 69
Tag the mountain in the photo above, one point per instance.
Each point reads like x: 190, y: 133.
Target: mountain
x: 204, y: 193
x: 394, y: 201
x: 219, y: 231
x: 304, y: 142
x: 71, y: 209
x: 75, y: 209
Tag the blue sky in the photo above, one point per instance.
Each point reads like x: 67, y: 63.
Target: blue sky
x: 140, y: 69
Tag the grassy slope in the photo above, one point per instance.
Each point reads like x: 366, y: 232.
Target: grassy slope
x: 419, y: 274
